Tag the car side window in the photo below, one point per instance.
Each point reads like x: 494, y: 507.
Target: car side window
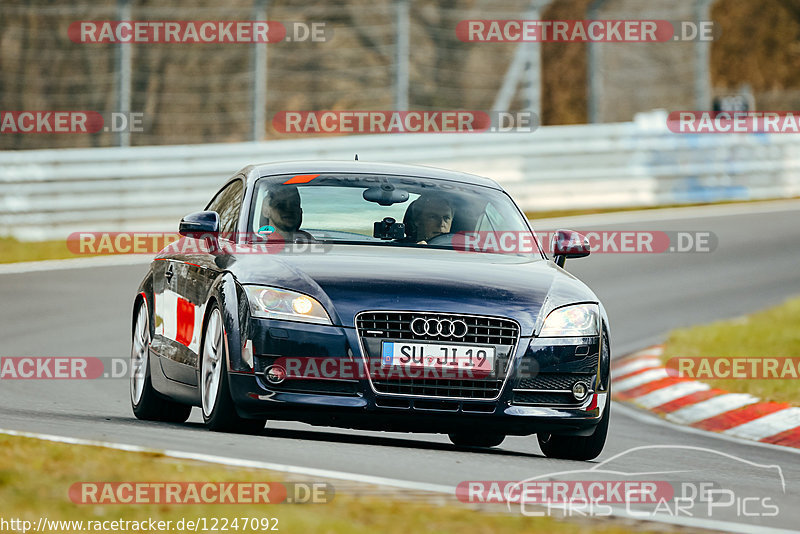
x: 227, y: 204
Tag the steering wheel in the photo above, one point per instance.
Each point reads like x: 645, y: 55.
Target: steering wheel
x: 301, y: 236
x: 442, y: 240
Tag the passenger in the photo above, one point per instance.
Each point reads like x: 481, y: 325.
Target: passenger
x: 282, y: 211
x: 429, y: 216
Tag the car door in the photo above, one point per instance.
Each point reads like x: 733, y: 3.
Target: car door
x: 188, y: 279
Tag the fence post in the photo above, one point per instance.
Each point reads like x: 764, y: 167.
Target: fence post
x: 401, y: 61
x: 702, y: 59
x: 123, y: 75
x: 593, y: 75
x: 259, y: 90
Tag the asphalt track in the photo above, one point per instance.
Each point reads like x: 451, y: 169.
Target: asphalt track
x: 86, y: 312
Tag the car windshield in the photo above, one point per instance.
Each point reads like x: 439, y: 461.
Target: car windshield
x: 388, y: 210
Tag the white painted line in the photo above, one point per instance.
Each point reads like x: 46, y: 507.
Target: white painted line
x: 699, y: 522
x: 75, y: 263
x: 640, y: 379
x: 768, y: 425
x: 239, y: 462
x: 636, y: 365
x: 656, y: 351
x: 725, y: 526
x: 646, y: 417
x: 711, y: 407
x: 665, y: 214
x: 670, y: 393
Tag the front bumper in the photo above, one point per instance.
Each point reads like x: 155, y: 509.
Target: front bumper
x: 352, y: 402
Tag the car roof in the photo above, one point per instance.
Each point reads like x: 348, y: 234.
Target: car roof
x: 253, y: 172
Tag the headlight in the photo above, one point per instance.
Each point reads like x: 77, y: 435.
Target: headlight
x: 273, y: 303
x: 572, y: 321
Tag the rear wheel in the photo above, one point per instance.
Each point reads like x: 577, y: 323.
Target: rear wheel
x: 219, y: 412
x: 578, y: 447
x: 146, y: 402
x: 464, y: 439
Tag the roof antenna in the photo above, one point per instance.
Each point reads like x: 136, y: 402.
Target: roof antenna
x: 356, y: 157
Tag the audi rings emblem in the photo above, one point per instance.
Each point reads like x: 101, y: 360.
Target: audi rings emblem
x: 439, y: 327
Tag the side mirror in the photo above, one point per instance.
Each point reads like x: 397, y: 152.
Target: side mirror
x: 201, y: 222
x: 202, y: 225
x: 569, y: 244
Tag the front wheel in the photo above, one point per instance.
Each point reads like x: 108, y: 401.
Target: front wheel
x: 464, y: 439
x: 219, y: 412
x: 146, y: 402
x: 578, y: 447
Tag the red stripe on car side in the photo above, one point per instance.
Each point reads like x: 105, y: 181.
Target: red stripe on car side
x: 185, y: 322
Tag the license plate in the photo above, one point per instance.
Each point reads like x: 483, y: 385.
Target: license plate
x: 437, y: 356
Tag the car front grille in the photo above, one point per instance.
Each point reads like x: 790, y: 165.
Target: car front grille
x: 471, y: 389
x: 544, y: 399
x: 397, y: 326
x: 376, y: 327
x: 549, y: 389
x: 548, y: 381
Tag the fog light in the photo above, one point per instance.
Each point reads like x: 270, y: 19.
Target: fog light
x: 580, y: 390
x: 275, y: 374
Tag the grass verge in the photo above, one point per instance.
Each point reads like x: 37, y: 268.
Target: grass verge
x: 771, y: 333
x: 12, y: 250
x: 548, y: 214
x: 35, y: 477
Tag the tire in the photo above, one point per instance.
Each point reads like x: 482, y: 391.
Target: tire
x: 578, y: 447
x: 146, y: 402
x: 472, y: 440
x: 219, y: 412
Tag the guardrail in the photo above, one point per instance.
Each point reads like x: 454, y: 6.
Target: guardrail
x: 47, y: 193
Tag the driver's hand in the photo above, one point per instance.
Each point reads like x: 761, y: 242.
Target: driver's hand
x: 423, y: 242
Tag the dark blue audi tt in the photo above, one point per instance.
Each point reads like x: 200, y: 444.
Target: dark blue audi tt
x: 372, y: 296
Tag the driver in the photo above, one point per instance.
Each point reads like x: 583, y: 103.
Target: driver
x: 429, y: 216
x: 282, y: 211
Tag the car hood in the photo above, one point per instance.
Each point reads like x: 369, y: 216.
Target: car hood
x: 348, y: 279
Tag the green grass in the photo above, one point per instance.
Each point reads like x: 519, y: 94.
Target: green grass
x: 774, y: 332
x: 35, y: 477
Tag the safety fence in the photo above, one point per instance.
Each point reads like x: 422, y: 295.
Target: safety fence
x: 47, y: 193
